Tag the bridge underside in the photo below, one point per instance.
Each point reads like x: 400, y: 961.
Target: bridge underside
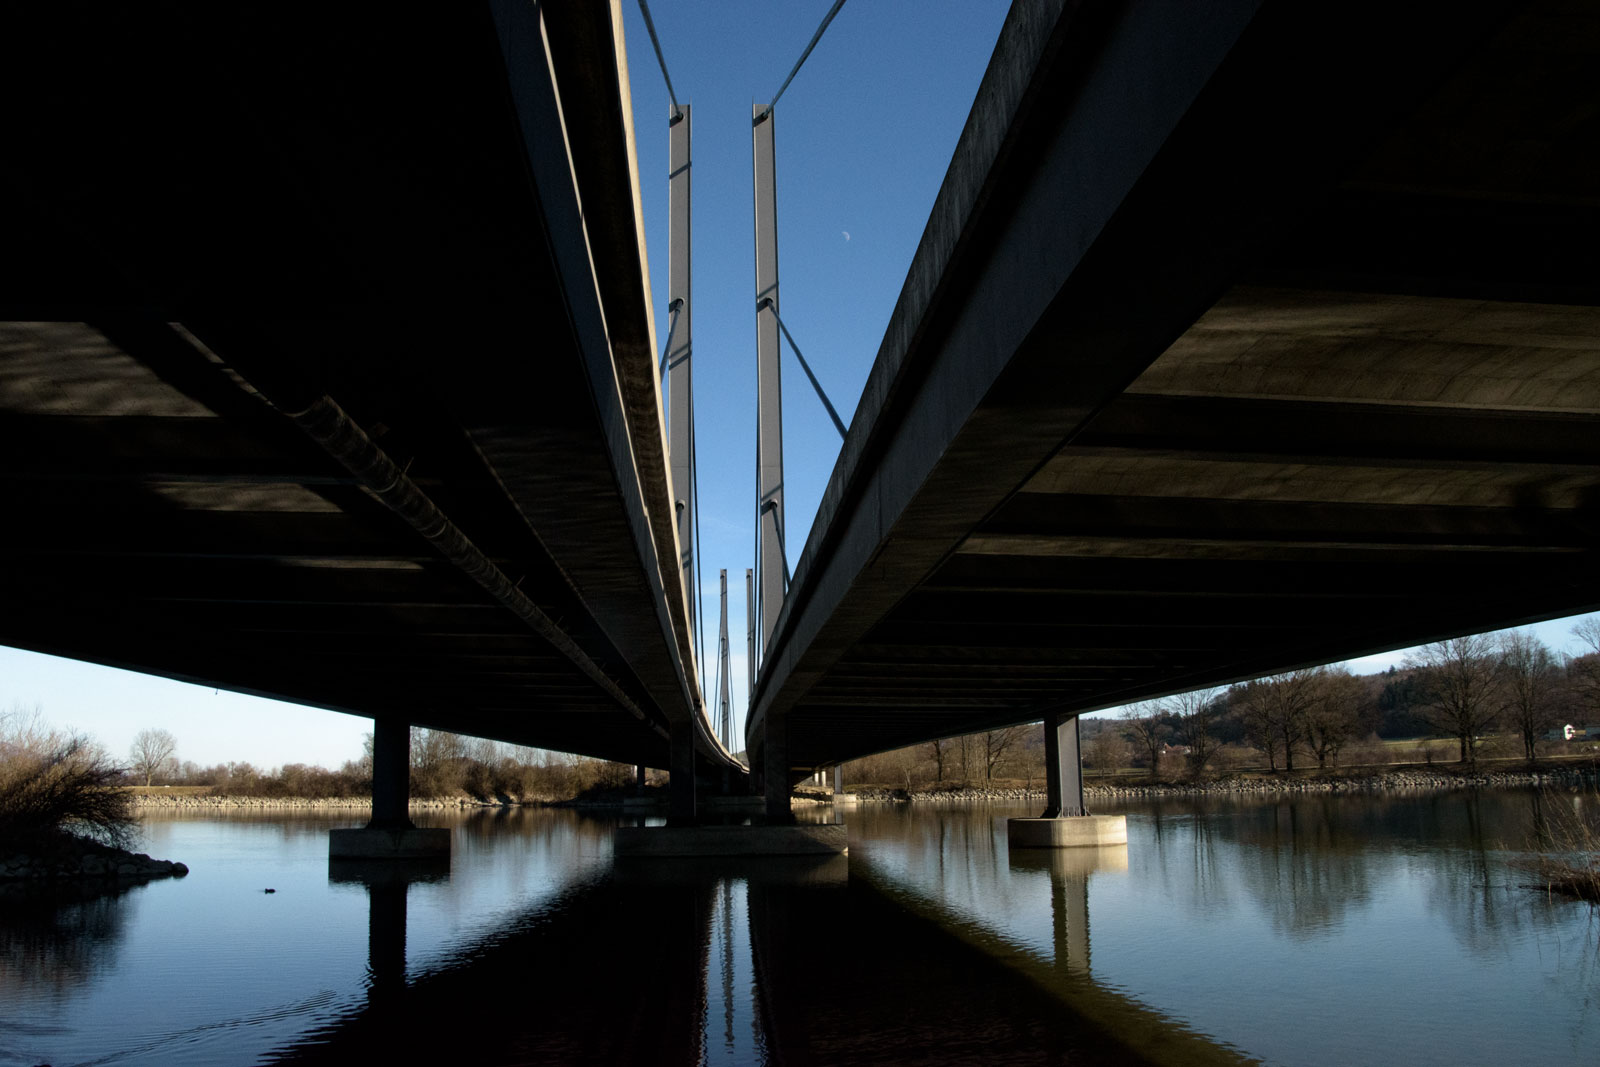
x: 1322, y: 380
x: 1305, y: 475
x: 216, y: 221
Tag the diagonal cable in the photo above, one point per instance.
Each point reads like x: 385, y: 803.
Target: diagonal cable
x: 650, y: 27
x: 834, y: 10
x: 838, y: 424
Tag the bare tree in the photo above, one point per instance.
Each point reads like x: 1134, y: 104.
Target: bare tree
x: 1256, y: 713
x: 940, y: 751
x: 1529, y: 672
x: 1334, y: 714
x: 54, y: 782
x: 154, y: 752
x: 1197, y: 714
x: 437, y: 759
x: 1460, y: 680
x: 1291, y: 696
x: 1145, y: 721
x: 964, y: 746
x: 1108, y: 751
x: 1583, y: 671
x: 1587, y: 630
x: 996, y: 743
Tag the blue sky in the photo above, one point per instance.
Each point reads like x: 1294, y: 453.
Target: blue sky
x: 864, y: 135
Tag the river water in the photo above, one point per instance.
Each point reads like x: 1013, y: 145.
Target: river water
x: 1317, y: 930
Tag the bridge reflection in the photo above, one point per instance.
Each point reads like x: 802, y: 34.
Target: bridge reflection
x: 758, y: 960
x: 1069, y: 870
x: 387, y: 883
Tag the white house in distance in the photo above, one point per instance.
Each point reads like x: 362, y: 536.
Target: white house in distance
x: 1574, y: 733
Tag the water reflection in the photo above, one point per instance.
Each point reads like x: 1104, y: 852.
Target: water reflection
x: 1393, y: 925
x: 58, y: 937
x: 739, y: 961
x: 1069, y: 870
x: 387, y: 882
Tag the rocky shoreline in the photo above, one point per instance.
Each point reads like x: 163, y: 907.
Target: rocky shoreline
x: 218, y: 804
x: 1398, y: 781
x: 1395, y: 781
x: 76, y: 859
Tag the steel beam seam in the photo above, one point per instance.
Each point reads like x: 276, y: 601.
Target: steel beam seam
x: 327, y: 424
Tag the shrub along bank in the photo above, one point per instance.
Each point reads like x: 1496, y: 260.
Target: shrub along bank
x: 63, y: 813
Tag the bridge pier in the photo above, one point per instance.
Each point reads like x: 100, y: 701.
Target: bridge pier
x: 390, y: 835
x: 775, y: 770
x: 1065, y: 823
x: 681, y: 811
x: 840, y: 797
x: 779, y: 836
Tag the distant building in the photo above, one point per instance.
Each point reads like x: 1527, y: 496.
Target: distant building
x: 1573, y: 733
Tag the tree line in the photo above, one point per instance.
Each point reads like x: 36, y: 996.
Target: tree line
x: 1510, y: 686
x: 1464, y: 689
x: 442, y: 765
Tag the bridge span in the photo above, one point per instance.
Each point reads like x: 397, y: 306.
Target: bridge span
x: 1242, y: 337
x: 327, y: 369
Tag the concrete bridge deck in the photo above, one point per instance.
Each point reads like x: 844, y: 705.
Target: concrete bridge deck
x: 1241, y: 337
x: 319, y: 381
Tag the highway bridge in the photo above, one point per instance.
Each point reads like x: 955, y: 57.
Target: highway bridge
x: 328, y: 369
x: 1241, y: 336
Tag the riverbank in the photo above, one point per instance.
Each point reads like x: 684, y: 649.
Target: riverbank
x: 1407, y: 781
x: 206, y: 804
x: 65, y: 858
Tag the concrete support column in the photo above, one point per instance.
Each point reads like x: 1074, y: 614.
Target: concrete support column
x: 1065, y: 823
x: 391, y: 775
x: 681, y: 812
x: 1063, y: 770
x: 390, y: 835
x: 840, y: 797
x: 775, y: 769
x: 638, y: 780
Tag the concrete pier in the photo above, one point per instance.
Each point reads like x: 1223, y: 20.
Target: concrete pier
x: 840, y: 797
x: 367, y: 843
x: 391, y: 835
x: 1070, y: 831
x: 1065, y: 823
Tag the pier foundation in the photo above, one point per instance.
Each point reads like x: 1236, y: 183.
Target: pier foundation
x: 390, y: 834
x: 1065, y: 823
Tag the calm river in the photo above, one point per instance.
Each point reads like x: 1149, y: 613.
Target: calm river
x: 1320, y: 930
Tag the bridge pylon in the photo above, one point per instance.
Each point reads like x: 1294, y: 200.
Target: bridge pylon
x: 390, y: 834
x: 1065, y: 823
